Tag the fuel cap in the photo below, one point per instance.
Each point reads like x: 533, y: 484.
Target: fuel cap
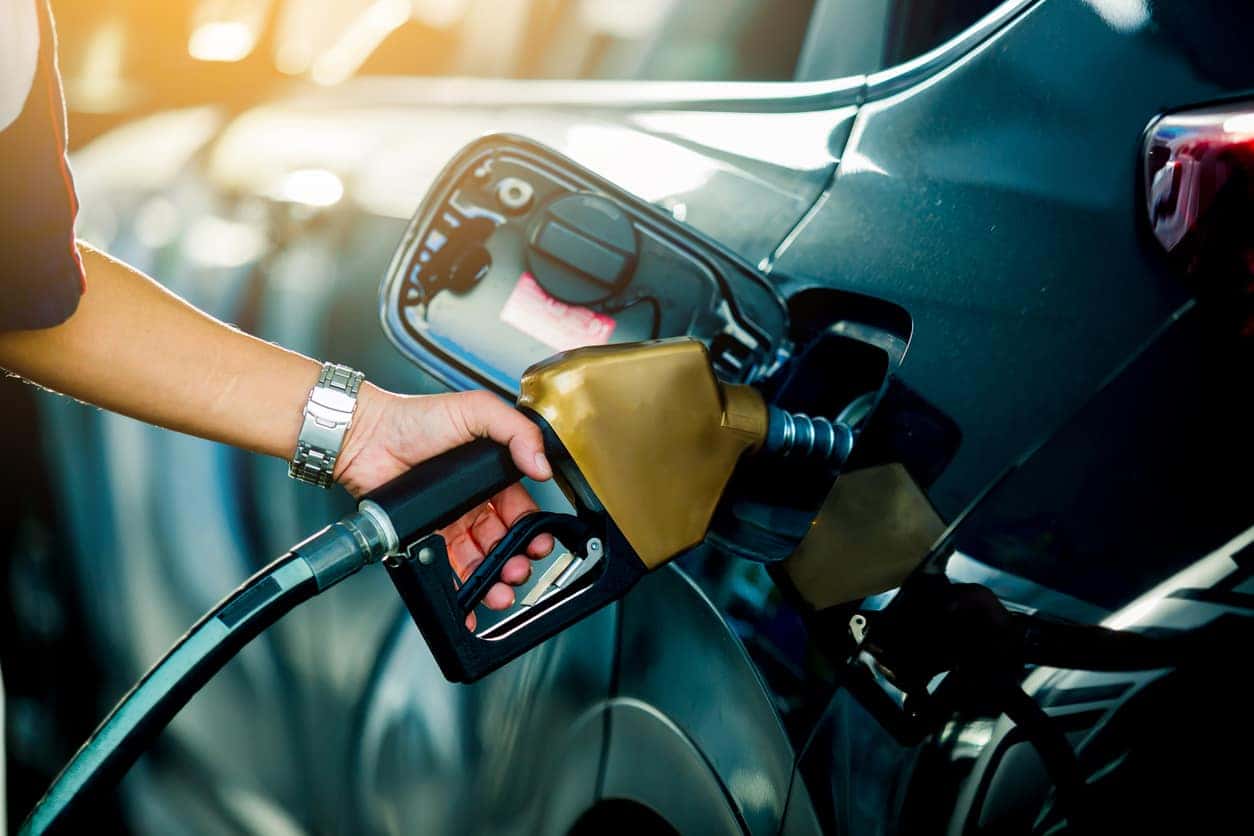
x: 583, y: 248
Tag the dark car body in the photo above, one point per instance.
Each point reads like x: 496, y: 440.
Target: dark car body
x: 987, y: 188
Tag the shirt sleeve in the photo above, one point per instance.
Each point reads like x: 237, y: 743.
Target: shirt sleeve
x: 41, y: 273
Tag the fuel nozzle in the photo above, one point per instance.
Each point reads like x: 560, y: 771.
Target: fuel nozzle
x: 798, y: 435
x: 645, y: 439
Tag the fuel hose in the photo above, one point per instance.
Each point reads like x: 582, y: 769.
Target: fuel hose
x: 307, y: 570
x: 418, y: 502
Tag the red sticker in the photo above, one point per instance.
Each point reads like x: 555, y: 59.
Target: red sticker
x: 556, y: 324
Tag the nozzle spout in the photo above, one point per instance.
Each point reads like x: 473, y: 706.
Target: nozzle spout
x: 819, y: 439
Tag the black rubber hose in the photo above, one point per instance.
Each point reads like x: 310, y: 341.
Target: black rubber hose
x: 1059, y: 759
x: 312, y: 567
x: 147, y: 708
x: 1089, y: 647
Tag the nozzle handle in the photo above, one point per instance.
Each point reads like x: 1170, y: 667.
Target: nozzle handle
x: 438, y: 491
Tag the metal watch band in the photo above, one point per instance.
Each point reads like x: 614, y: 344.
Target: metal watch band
x: 328, y: 414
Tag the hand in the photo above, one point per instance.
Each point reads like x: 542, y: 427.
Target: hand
x: 392, y: 433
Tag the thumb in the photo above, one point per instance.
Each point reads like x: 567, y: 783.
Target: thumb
x: 487, y: 416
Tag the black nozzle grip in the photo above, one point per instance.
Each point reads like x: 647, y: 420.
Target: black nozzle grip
x: 430, y: 594
x: 438, y: 491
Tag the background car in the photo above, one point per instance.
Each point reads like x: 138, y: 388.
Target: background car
x: 972, y: 165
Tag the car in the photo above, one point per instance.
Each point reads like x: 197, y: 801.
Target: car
x: 947, y: 196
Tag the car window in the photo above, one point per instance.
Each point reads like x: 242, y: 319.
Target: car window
x: 915, y: 26
x: 848, y: 37
x: 673, y: 40
x: 690, y: 39
x: 122, y: 59
x: 660, y: 40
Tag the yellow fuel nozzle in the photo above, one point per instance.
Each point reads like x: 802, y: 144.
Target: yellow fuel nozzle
x: 652, y: 432
x: 644, y: 439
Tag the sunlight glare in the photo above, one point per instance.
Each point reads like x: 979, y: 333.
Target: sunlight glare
x: 222, y: 40
x: 359, y: 40
x: 310, y: 186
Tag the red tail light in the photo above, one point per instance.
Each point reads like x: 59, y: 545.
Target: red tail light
x: 1199, y: 191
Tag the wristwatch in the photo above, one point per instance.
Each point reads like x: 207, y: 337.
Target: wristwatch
x: 328, y: 414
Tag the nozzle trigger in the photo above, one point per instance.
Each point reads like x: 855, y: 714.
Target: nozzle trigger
x: 571, y: 531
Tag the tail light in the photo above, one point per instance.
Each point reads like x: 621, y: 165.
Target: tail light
x: 1199, y: 191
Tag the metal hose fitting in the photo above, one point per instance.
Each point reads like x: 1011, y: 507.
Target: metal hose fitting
x: 820, y: 439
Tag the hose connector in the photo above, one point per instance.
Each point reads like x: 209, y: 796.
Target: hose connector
x: 818, y: 439
x: 340, y: 549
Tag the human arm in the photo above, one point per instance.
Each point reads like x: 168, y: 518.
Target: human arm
x: 135, y: 348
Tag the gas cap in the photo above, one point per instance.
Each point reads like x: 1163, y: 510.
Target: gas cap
x: 583, y: 248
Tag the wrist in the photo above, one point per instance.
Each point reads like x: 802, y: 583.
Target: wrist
x: 371, y: 406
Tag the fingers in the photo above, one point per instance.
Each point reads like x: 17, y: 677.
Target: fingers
x: 499, y: 597
x: 517, y: 570
x: 491, y: 522
x: 540, y: 547
x: 511, y: 504
x: 470, y: 539
x: 485, y: 532
x: 486, y: 415
x: 465, y: 555
x: 487, y: 529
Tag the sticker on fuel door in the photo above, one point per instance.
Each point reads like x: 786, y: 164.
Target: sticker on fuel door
x: 556, y: 324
